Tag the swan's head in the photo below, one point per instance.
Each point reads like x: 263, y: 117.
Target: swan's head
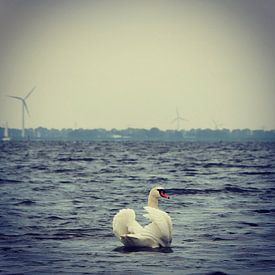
x: 158, y: 192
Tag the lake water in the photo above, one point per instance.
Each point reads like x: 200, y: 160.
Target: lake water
x: 58, y: 200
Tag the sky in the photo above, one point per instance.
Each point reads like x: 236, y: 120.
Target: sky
x: 119, y: 64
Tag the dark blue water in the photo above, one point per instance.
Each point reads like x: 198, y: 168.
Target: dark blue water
x: 58, y: 199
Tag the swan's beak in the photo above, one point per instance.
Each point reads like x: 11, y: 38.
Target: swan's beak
x: 164, y: 195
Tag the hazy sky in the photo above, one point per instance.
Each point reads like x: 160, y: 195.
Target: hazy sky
x: 119, y: 64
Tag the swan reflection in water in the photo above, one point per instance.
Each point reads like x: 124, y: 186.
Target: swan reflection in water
x: 125, y: 249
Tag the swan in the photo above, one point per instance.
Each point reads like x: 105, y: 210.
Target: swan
x: 156, y: 234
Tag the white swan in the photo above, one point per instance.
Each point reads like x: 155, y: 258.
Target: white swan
x: 156, y: 234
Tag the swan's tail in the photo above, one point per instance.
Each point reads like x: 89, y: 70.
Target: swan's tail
x: 124, y: 223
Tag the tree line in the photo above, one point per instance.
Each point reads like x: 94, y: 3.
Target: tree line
x: 152, y: 134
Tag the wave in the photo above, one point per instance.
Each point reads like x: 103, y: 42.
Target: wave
x: 257, y: 173
x: 235, y: 189
x: 194, y: 191
x: 127, y: 160
x: 63, y: 170
x: 250, y: 224
x: 77, y: 159
x: 230, y: 165
x: 191, y: 191
x: 60, y: 234
x: 53, y: 217
x: 26, y: 202
x: 264, y: 211
x: 40, y: 167
x: 9, y: 181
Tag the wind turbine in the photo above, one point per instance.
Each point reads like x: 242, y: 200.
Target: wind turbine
x: 24, y: 107
x: 217, y: 125
x: 178, y: 119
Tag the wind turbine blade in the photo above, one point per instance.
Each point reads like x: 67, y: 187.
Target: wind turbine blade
x: 16, y: 97
x: 174, y: 120
x: 29, y: 93
x: 26, y: 107
x: 183, y: 119
x: 177, y: 112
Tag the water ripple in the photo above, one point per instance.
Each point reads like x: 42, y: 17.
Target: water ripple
x: 58, y: 199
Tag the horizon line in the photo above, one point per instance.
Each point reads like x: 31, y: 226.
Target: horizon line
x: 139, y: 128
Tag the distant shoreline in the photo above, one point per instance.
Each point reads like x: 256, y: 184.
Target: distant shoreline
x: 138, y: 134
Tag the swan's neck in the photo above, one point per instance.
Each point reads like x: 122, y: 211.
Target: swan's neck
x: 152, y: 201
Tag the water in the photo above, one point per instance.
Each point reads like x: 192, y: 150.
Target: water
x: 58, y: 199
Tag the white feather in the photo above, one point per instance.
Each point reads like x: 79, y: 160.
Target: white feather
x: 160, y: 227
x: 124, y: 222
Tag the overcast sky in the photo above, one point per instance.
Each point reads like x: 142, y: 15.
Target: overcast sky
x: 119, y: 64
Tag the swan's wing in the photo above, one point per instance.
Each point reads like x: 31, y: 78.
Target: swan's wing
x: 124, y: 222
x: 160, y: 228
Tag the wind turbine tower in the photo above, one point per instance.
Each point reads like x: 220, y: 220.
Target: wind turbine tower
x: 24, y: 107
x: 178, y: 119
x: 217, y: 125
